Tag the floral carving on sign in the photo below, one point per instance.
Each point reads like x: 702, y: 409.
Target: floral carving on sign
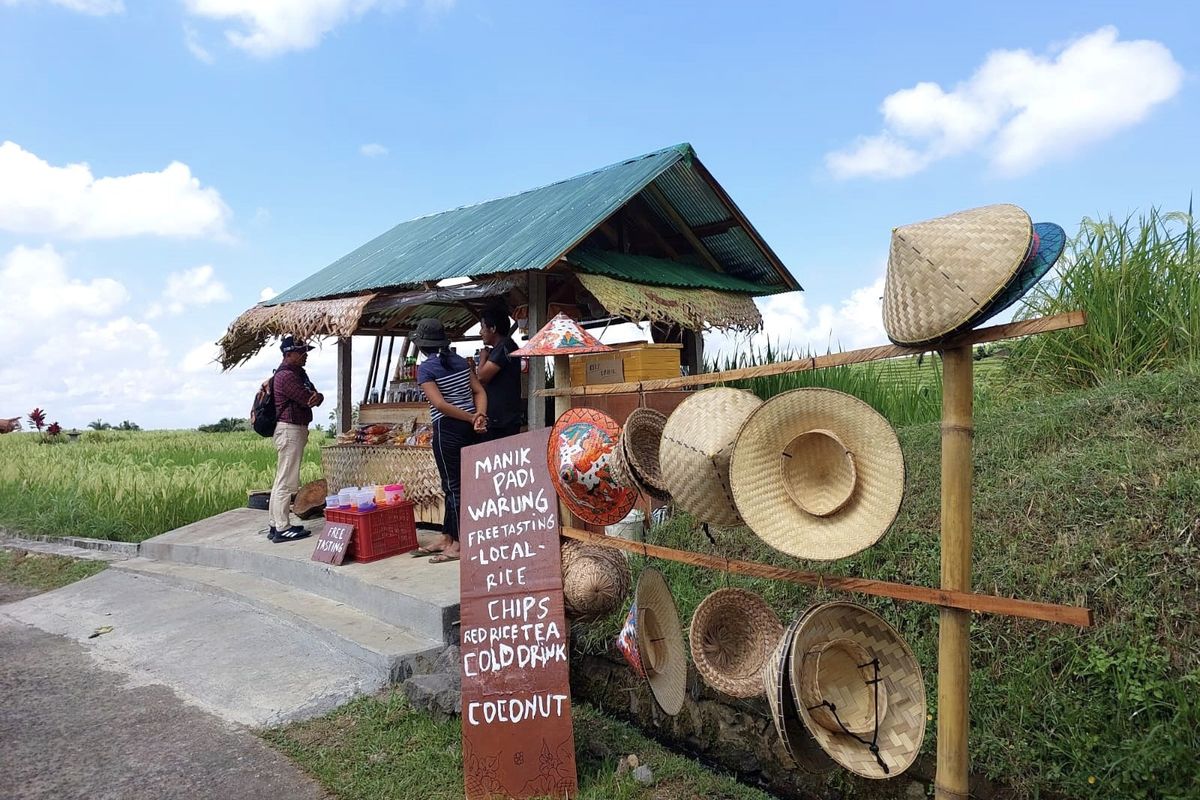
x: 481, y: 777
x: 554, y: 777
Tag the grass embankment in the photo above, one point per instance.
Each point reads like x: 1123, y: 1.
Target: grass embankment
x: 378, y: 747
x: 131, y: 486
x: 1082, y: 498
x: 42, y: 572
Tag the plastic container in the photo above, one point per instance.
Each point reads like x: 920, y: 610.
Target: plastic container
x: 346, y: 496
x: 384, y: 532
x: 332, y: 501
x: 632, y: 527
x: 381, y: 497
x: 394, y: 492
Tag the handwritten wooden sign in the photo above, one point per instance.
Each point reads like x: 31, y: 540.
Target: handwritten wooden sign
x: 331, y: 547
x: 516, y: 694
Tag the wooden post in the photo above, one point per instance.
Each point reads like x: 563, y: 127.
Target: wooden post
x: 537, y: 369
x: 562, y: 377
x: 344, y: 407
x: 693, y: 351
x: 954, y: 657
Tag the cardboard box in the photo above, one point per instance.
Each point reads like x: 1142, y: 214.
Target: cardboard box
x: 609, y: 369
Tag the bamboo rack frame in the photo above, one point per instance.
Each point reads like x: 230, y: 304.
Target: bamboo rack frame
x: 1071, y: 319
x: 965, y: 601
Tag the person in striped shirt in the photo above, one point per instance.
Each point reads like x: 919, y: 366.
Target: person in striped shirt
x: 458, y: 406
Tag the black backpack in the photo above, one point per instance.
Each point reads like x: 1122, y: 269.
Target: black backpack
x: 263, y: 415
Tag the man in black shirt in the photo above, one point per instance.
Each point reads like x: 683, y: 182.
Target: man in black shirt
x: 500, y: 374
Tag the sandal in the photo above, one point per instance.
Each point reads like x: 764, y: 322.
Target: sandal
x: 442, y: 558
x: 424, y: 551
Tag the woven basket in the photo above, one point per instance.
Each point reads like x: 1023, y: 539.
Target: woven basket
x: 596, y: 580
x: 359, y: 465
x: 697, y: 443
x: 901, y: 723
x: 732, y: 636
x: 641, y: 439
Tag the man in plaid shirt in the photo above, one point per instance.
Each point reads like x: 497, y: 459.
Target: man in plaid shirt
x: 295, y: 397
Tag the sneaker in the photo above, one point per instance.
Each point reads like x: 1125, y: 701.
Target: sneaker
x: 271, y: 533
x: 292, y: 534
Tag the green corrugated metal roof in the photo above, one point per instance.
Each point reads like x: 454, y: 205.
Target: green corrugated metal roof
x: 662, y: 272
x: 526, y: 231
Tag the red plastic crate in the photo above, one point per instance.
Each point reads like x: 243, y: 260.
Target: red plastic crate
x: 386, y: 531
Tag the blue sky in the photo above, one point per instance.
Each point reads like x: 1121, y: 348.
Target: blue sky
x: 163, y: 163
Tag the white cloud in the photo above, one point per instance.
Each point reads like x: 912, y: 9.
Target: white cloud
x: 373, y: 150
x: 790, y: 324
x: 191, y: 287
x: 38, y: 198
x: 272, y: 27
x: 192, y: 39
x: 1019, y: 109
x: 35, y: 289
x: 97, y: 8
x: 266, y: 294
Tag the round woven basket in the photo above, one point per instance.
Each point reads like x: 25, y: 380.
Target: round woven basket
x: 641, y: 439
x: 596, y: 580
x: 901, y: 721
x: 697, y: 442
x: 817, y: 473
x: 798, y: 743
x: 732, y: 635
x: 943, y: 271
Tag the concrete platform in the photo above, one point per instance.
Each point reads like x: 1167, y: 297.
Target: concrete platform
x: 399, y: 591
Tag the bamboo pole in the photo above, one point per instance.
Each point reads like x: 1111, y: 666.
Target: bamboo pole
x: 954, y: 657
x: 975, y: 603
x: 1071, y: 319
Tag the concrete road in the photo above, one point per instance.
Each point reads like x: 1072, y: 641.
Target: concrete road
x: 71, y: 729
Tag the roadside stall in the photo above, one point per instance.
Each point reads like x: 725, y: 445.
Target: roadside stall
x: 654, y: 239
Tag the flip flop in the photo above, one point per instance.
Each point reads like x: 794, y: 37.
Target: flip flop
x: 442, y: 558
x: 424, y: 551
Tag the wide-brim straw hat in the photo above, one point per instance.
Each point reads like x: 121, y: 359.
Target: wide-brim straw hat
x: 310, y: 500
x: 652, y: 641
x: 942, y: 272
x: 581, y: 445
x: 817, y: 473
x: 798, y: 743
x: 697, y: 442
x: 596, y: 580
x: 830, y: 684
x: 1049, y: 241
x: 732, y: 635
x: 641, y: 438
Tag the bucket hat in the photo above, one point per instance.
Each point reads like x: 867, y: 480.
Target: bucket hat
x: 817, y: 473
x: 858, y: 689
x: 430, y: 332
x: 652, y: 641
x: 1049, y: 240
x: 942, y: 272
x: 596, y: 580
x: 697, y: 442
x: 732, y: 635
x: 797, y: 742
x: 641, y: 438
x: 580, y: 448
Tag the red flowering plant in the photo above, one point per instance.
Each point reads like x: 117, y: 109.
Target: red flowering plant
x: 54, y: 430
x: 38, y: 418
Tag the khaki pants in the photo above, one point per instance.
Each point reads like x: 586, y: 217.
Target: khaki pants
x: 289, y: 441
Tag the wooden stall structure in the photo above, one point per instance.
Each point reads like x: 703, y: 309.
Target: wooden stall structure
x: 651, y: 239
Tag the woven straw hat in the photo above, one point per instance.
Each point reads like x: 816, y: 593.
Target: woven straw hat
x: 580, y: 448
x: 559, y: 337
x: 596, y: 580
x: 697, y: 442
x: 1049, y: 240
x: 732, y: 635
x: 944, y: 271
x: 817, y: 473
x: 855, y: 682
x: 797, y: 741
x: 640, y: 441
x: 652, y: 641
x: 618, y: 468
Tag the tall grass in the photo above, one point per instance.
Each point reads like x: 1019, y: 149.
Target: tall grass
x: 131, y: 486
x: 1139, y: 283
x: 905, y: 390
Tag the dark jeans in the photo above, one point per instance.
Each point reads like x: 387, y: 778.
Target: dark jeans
x: 450, y: 436
x: 495, y: 432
